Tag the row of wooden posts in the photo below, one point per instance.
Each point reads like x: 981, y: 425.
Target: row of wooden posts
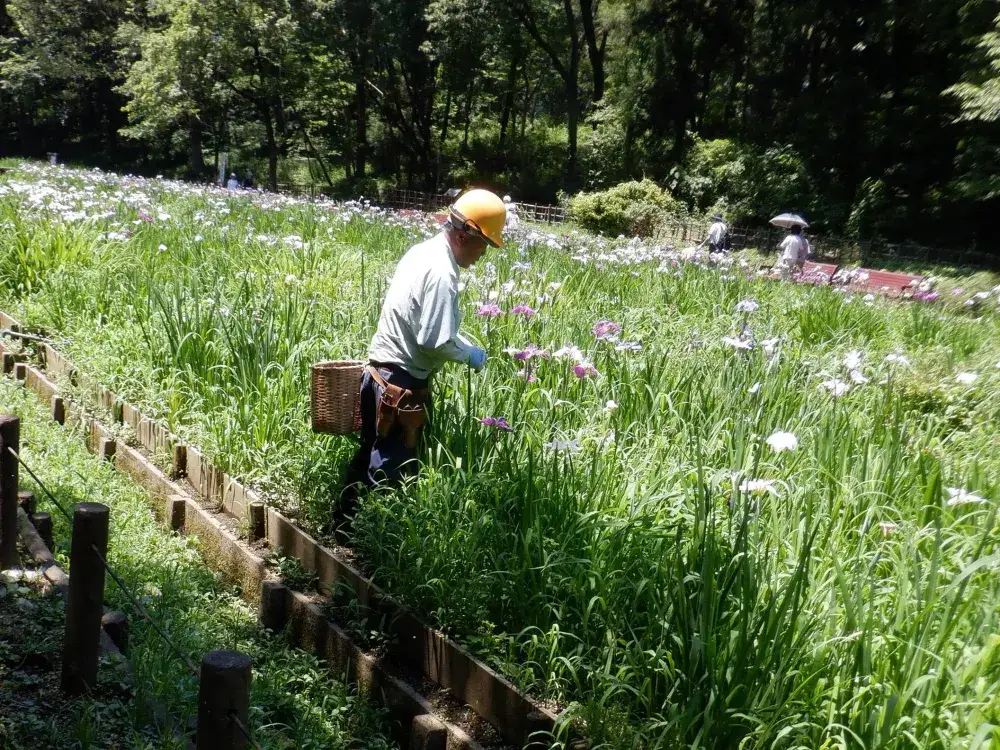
x: 399, y: 198
x: 224, y: 677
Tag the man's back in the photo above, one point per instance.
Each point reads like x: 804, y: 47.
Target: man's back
x: 420, y: 309
x: 794, y: 248
x: 717, y: 233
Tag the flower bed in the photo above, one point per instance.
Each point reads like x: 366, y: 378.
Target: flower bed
x: 615, y: 515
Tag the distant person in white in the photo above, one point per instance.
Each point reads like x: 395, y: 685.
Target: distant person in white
x: 794, y: 251
x: 418, y: 332
x: 233, y: 184
x: 717, y: 235
x: 513, y: 220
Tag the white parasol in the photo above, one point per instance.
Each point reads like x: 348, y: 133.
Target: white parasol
x: 789, y: 220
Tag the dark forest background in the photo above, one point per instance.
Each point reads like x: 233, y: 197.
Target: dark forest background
x: 876, y: 119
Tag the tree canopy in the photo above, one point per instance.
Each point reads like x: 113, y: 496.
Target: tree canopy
x: 872, y: 118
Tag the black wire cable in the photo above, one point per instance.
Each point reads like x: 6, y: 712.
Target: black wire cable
x: 136, y: 602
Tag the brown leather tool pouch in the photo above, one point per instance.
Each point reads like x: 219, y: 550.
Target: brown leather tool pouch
x: 399, y: 406
x: 411, y: 418
x: 388, y: 409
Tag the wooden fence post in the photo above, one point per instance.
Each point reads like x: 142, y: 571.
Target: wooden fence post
x: 27, y: 502
x: 10, y: 436
x: 224, y: 690
x: 85, y: 604
x: 258, y: 520
x: 43, y: 525
x: 115, y: 624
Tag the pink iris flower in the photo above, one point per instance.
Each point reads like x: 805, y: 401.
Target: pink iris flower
x: 489, y: 311
x: 497, y: 423
x: 606, y: 328
x: 530, y: 352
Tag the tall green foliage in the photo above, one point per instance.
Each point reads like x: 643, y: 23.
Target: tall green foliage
x: 843, y: 103
x: 979, y: 101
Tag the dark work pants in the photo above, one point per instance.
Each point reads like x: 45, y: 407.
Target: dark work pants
x: 380, y: 460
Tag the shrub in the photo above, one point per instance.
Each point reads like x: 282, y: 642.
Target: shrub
x: 754, y: 185
x: 632, y: 208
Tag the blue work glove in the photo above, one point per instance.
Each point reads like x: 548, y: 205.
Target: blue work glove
x: 477, y: 358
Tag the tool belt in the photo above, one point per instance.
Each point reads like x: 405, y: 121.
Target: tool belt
x: 399, y: 406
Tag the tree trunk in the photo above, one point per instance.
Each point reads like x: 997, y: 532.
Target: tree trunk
x: 272, y: 149
x: 683, y: 52
x: 629, y: 146
x: 315, y: 155
x: 112, y: 112
x: 572, y: 81
x: 508, y: 102
x: 594, y: 49
x: 447, y: 120
x: 573, y: 122
x: 196, y: 161
x: 26, y: 133
x: 470, y: 97
x: 527, y: 99
x: 361, y: 118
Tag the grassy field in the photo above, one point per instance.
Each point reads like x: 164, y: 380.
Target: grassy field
x: 720, y: 511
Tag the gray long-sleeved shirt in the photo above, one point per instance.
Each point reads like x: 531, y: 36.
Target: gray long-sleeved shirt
x: 419, y: 325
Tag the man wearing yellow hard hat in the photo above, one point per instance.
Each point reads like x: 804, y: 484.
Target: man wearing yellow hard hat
x: 418, y: 332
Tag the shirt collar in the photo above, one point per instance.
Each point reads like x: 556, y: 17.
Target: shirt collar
x: 451, y: 253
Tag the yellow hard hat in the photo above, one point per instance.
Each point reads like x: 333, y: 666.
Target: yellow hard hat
x: 481, y: 213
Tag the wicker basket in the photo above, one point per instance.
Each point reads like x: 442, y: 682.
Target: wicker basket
x: 336, y: 397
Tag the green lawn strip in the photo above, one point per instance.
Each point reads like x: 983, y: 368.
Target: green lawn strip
x: 294, y: 701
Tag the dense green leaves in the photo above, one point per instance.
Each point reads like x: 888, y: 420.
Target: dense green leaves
x: 874, y: 119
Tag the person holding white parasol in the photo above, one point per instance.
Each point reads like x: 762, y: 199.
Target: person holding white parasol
x: 794, y: 248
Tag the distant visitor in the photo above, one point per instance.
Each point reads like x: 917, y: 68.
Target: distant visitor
x: 718, y: 236
x: 513, y: 220
x: 794, y: 248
